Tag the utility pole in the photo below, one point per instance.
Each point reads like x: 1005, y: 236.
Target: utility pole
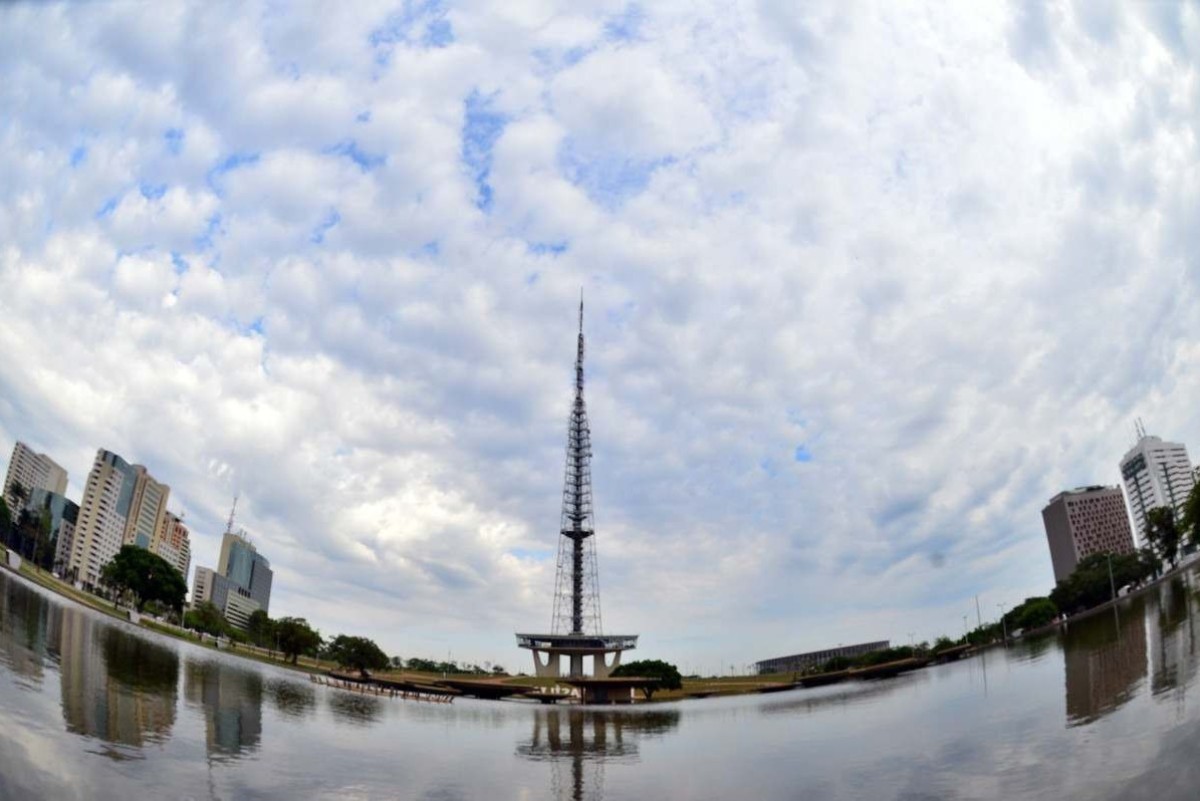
x: 1003, y: 623
x: 1111, y: 585
x: 978, y: 614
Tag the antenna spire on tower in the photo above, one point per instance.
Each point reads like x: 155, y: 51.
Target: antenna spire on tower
x: 232, y: 511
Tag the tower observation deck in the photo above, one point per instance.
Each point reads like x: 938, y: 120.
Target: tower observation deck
x: 575, y: 626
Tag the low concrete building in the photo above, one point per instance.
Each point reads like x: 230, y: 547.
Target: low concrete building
x: 800, y: 662
x: 1085, y: 521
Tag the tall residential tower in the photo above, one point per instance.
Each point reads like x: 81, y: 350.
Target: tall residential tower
x: 1155, y: 473
x: 32, y: 471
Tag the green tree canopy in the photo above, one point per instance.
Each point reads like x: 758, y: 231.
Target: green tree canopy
x: 206, y: 617
x: 665, y: 672
x: 147, y: 576
x: 1163, y: 533
x: 296, y: 637
x: 1089, y: 584
x: 357, y: 653
x: 1189, y: 522
x: 260, y: 629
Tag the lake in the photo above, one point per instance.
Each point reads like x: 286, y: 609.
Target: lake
x: 91, y: 708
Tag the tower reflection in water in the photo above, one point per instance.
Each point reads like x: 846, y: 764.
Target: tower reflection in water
x: 579, y: 743
x: 231, y: 698
x: 1172, y: 637
x: 1104, y: 658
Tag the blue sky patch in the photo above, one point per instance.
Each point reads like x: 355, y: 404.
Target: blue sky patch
x: 350, y: 149
x: 626, y: 26
x: 802, y: 454
x: 174, y: 139
x: 107, y: 207
x: 547, y: 248
x: 211, y: 229
x: 229, y: 164
x: 152, y: 191
x: 438, y: 33
x: 398, y: 28
x: 482, y: 126
x: 78, y: 155
x: 609, y: 179
x: 331, y: 219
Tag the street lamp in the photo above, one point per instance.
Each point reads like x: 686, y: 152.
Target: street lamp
x: 1003, y: 622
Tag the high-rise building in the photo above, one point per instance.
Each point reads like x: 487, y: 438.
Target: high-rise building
x: 149, y: 507
x: 241, y: 584
x: 1156, y: 473
x: 31, y: 471
x: 122, y: 504
x: 242, y: 564
x: 174, y: 543
x: 1085, y: 521
x: 63, y: 516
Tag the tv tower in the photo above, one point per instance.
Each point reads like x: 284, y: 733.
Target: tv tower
x: 575, y: 628
x: 577, y: 582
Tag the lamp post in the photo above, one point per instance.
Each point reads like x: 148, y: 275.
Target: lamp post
x: 1111, y: 585
x: 1003, y: 622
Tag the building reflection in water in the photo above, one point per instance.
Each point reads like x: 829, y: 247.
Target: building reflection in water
x: 117, y: 687
x: 1172, y: 637
x: 231, y: 698
x: 27, y: 620
x: 1105, y: 661
x: 579, y: 743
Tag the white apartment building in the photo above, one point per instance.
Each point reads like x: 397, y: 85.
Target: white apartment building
x: 32, y: 471
x: 1155, y: 473
x: 120, y: 501
x: 1082, y: 522
x: 174, y: 543
x: 149, y: 509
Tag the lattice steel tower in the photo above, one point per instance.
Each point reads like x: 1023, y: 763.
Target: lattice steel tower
x: 577, y: 581
x: 575, y: 630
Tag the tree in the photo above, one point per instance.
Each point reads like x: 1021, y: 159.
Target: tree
x: 1163, y: 533
x: 665, y: 672
x: 260, y: 629
x: 5, y: 517
x: 296, y: 637
x: 207, y: 618
x: 1089, y: 584
x: 357, y: 653
x: 147, y: 576
x: 1189, y: 521
x: 1034, y: 613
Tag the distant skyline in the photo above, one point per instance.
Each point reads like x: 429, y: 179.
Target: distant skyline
x: 866, y: 287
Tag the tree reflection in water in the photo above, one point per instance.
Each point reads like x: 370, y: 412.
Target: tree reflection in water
x: 291, y: 698
x: 353, y: 708
x: 579, y: 738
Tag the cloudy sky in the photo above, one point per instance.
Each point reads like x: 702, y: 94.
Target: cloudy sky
x: 865, y: 285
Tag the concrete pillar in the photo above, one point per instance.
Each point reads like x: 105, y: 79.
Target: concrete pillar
x: 576, y: 666
x: 547, y: 668
x: 604, y: 668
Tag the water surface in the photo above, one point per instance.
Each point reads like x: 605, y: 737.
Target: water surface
x: 91, y: 708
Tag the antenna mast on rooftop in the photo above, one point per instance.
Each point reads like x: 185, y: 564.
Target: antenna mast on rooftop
x: 232, y: 511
